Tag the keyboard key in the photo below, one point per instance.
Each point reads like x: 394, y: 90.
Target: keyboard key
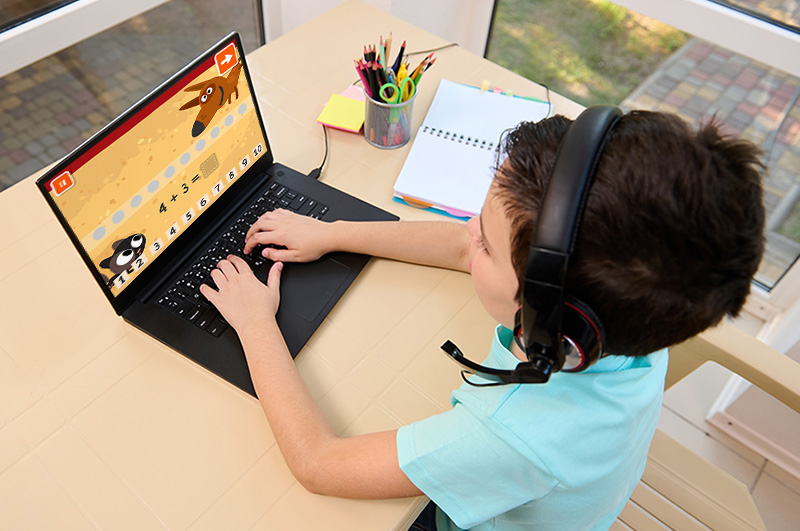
x: 318, y: 211
x: 183, y: 311
x: 206, y: 318
x: 216, y: 327
x: 196, y: 312
x: 298, y: 202
x: 306, y: 207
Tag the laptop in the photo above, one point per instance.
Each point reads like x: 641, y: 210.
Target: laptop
x: 154, y: 200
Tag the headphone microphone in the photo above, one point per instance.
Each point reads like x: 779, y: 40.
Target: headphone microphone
x: 555, y: 331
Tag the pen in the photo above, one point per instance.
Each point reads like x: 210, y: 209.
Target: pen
x: 399, y: 59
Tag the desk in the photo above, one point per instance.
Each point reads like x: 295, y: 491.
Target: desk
x: 103, y: 427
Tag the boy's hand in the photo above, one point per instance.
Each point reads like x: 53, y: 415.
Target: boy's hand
x: 305, y: 238
x: 241, y: 298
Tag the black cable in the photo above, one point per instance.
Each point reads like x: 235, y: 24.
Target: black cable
x: 433, y: 49
x: 315, y: 174
x: 549, y: 103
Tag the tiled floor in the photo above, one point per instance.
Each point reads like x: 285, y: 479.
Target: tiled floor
x: 776, y: 492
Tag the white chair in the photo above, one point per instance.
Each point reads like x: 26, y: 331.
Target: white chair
x: 679, y: 489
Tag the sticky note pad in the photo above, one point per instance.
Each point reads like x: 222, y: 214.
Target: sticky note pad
x: 343, y: 113
x: 353, y: 92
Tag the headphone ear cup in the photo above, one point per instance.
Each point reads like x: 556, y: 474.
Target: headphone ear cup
x: 583, y: 332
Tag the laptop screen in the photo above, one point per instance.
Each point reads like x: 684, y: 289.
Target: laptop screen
x: 148, y: 176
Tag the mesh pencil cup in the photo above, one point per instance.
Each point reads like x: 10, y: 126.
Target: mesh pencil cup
x: 388, y: 125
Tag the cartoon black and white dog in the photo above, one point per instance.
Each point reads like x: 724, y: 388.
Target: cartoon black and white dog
x: 125, y: 252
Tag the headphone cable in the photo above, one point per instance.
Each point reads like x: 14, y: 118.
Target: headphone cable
x: 315, y: 173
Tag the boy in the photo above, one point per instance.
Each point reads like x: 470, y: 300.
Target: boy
x: 671, y: 237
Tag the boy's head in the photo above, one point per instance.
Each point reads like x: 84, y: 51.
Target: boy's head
x: 672, y: 233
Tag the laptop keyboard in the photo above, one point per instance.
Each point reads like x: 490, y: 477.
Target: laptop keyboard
x: 184, y: 298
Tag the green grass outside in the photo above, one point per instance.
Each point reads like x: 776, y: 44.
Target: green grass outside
x: 591, y: 51
x: 791, y: 227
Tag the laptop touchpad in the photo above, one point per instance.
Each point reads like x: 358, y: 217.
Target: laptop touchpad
x: 307, y: 288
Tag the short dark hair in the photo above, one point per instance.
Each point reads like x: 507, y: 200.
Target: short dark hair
x: 673, y: 228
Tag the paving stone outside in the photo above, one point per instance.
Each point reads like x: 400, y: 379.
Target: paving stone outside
x: 751, y: 100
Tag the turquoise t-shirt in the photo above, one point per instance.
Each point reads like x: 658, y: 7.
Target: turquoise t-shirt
x: 557, y: 456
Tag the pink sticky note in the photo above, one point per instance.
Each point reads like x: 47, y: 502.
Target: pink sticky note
x: 353, y: 92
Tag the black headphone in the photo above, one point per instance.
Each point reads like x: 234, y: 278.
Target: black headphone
x: 555, y: 331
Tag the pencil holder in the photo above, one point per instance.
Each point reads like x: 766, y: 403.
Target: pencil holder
x: 388, y: 125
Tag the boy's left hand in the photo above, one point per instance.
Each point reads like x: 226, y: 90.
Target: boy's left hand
x: 240, y: 297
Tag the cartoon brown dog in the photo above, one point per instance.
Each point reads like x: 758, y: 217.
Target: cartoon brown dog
x: 126, y: 251
x: 213, y: 94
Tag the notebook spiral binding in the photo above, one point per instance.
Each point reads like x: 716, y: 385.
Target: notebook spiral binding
x: 461, y: 139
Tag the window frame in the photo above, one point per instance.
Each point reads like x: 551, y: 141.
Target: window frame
x: 735, y: 30
x: 62, y: 27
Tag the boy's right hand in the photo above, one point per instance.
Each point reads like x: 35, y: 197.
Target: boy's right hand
x: 306, y: 239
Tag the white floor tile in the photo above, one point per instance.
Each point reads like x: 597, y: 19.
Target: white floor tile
x: 710, y: 449
x: 779, y: 506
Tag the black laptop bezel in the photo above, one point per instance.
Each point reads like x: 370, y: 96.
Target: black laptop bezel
x: 248, y: 180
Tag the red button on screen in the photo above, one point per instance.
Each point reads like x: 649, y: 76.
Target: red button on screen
x: 226, y: 59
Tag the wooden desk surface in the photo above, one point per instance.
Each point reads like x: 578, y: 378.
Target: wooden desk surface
x: 103, y: 427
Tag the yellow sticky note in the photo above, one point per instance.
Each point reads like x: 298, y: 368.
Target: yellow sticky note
x: 343, y: 113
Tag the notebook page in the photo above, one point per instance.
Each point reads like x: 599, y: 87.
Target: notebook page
x: 446, y: 173
x: 449, y: 166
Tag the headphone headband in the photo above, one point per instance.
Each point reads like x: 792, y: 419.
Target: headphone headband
x: 571, y: 177
x: 556, y: 230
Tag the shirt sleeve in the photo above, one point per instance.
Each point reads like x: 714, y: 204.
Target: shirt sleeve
x: 471, y: 467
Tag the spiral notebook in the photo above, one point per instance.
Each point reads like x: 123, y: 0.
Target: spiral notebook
x: 451, y: 162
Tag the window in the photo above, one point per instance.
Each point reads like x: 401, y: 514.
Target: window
x: 15, y: 12
x: 596, y: 51
x: 781, y: 13
x: 52, y: 105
